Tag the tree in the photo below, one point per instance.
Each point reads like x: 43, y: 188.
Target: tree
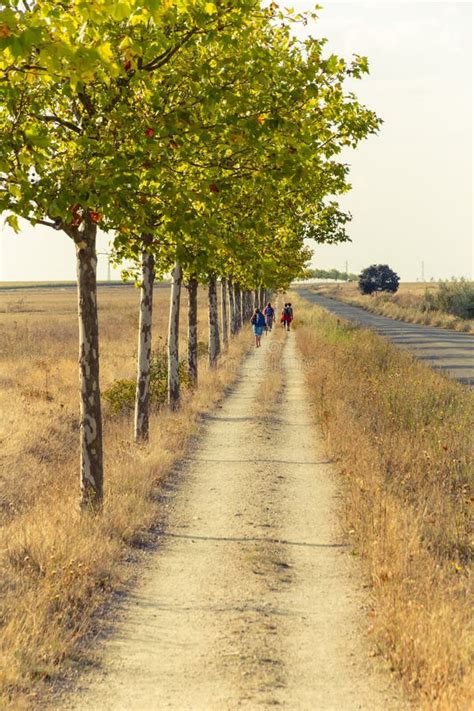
x: 378, y: 277
x: 239, y: 133
x: 223, y: 171
x: 68, y: 80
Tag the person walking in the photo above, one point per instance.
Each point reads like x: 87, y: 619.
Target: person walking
x: 286, y: 316
x: 258, y: 325
x: 269, y: 313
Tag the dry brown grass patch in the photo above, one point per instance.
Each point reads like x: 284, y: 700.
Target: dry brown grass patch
x: 57, y: 569
x: 402, y: 436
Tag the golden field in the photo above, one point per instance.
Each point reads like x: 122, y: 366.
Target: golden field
x: 402, y: 437
x: 59, y: 570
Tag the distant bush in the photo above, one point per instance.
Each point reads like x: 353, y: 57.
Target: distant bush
x: 121, y: 394
x: 330, y: 274
x: 456, y: 298
x: 378, y: 277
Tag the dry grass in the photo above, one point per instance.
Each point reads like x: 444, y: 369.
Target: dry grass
x: 58, y: 570
x: 402, y: 435
x: 408, y: 304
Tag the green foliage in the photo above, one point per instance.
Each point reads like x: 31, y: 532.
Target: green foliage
x: 121, y: 394
x: 378, y: 277
x: 456, y: 298
x: 330, y: 274
x: 230, y: 161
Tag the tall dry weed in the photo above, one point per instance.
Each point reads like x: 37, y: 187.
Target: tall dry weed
x: 58, y: 570
x: 402, y: 435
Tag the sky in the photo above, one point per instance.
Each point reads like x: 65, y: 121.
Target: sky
x: 412, y: 199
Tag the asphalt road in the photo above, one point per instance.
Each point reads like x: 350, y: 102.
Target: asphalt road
x: 449, y: 351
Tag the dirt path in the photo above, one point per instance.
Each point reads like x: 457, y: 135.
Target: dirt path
x: 252, y: 600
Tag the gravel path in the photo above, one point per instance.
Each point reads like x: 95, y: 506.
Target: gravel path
x: 253, y: 599
x: 452, y: 352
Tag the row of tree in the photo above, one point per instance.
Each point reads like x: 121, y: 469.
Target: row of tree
x: 330, y: 274
x: 203, y: 135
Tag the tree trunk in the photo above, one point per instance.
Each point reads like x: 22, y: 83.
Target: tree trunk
x: 90, y: 412
x: 225, y: 321
x: 238, y: 306
x: 192, y: 332
x: 142, y: 393
x: 214, y: 343
x: 173, y: 338
x: 233, y: 329
x: 242, y: 307
x: 262, y: 297
x: 256, y: 299
x: 249, y: 305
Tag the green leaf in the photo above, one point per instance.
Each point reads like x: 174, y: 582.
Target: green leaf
x: 12, y: 221
x: 15, y: 191
x: 120, y: 10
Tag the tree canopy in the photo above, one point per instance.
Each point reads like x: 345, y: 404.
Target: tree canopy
x: 209, y: 125
x: 378, y: 277
x: 206, y: 137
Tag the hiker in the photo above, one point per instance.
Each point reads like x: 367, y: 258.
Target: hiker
x: 258, y: 326
x: 269, y: 313
x: 286, y: 316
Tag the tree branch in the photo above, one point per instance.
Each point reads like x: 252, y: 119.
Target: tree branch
x: 54, y: 225
x: 86, y: 102
x: 163, y: 58
x: 60, y: 121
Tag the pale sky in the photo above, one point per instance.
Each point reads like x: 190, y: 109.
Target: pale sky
x: 412, y: 185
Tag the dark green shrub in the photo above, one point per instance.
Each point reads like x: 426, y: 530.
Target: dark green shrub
x: 121, y: 394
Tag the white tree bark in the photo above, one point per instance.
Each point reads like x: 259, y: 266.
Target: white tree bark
x: 91, y: 462
x: 242, y: 307
x: 173, y: 338
x: 192, y: 331
x: 142, y: 393
x: 238, y: 306
x: 214, y: 341
x: 245, y: 306
x: 225, y: 320
x: 248, y: 301
x: 233, y: 323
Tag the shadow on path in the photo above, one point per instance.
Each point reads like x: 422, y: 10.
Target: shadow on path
x: 253, y: 539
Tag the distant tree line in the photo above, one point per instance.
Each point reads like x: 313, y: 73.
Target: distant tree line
x: 330, y: 274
